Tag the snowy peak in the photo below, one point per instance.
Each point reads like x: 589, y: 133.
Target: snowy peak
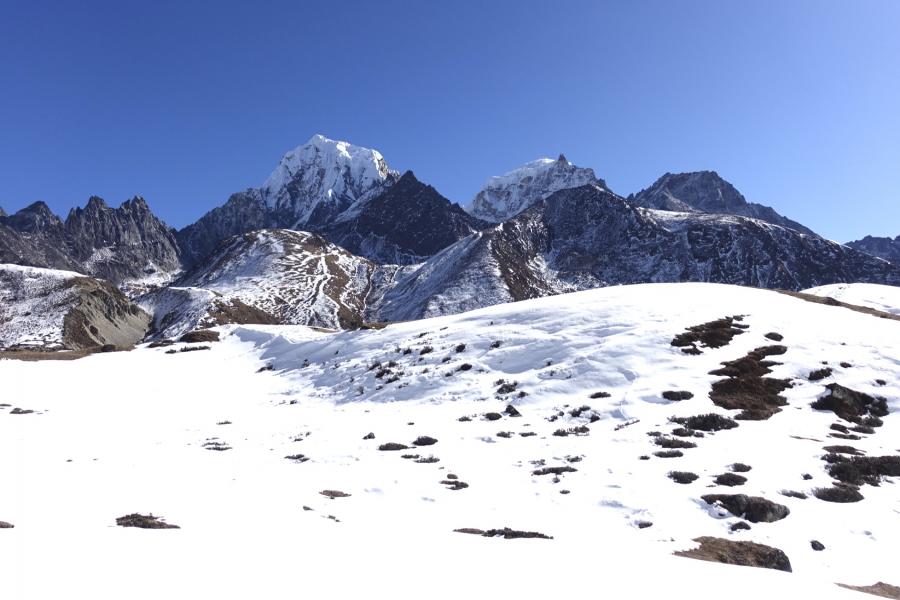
x: 706, y: 191
x: 317, y: 181
x: 505, y: 196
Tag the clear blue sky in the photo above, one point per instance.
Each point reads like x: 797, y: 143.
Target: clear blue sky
x: 796, y: 102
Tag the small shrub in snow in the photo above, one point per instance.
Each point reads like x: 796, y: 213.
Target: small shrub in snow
x: 793, y: 494
x: 730, y: 479
x: 392, y: 446
x: 819, y: 374
x: 144, y: 522
x: 669, y: 453
x: 554, y: 470
x: 332, y: 494
x: 707, y: 422
x: 667, y: 442
x: 840, y: 494
x: 677, y: 395
x: 683, y: 477
x: 424, y: 440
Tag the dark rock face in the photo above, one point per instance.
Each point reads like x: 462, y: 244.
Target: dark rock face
x: 138, y: 242
x: 407, y: 223
x: 244, y: 211
x: 706, y: 191
x: 35, y: 251
x: 882, y: 247
x: 585, y: 237
x: 752, y: 508
x: 404, y: 224
x: 114, y: 244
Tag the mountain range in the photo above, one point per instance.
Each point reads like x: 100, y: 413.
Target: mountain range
x: 336, y: 238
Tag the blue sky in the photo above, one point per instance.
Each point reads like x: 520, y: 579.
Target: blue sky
x: 795, y: 102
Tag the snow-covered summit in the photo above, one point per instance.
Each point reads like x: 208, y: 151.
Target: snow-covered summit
x: 505, y: 196
x: 317, y: 181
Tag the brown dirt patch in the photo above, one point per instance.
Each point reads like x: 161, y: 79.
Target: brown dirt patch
x: 746, y: 554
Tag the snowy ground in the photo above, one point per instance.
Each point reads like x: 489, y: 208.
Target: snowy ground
x: 872, y: 295
x: 119, y: 433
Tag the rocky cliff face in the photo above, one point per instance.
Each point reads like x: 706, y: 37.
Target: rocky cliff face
x: 128, y: 242
x: 244, y: 211
x: 405, y: 224
x: 882, y: 247
x: 119, y: 244
x: 705, y: 191
x: 46, y: 309
x: 587, y: 237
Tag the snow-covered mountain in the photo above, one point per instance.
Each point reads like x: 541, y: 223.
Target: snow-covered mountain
x: 588, y: 237
x: 405, y: 224
x: 178, y: 310
x: 706, y: 191
x: 574, y: 418
x: 46, y: 309
x: 117, y: 244
x: 314, y: 184
x: 296, y: 277
x: 505, y: 196
x: 882, y: 247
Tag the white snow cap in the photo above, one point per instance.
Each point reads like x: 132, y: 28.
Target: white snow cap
x: 324, y: 177
x: 364, y: 164
x: 505, y: 196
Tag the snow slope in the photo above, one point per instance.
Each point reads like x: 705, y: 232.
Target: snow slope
x: 137, y: 444
x: 295, y: 276
x: 880, y: 297
x: 33, y: 304
x: 47, y: 309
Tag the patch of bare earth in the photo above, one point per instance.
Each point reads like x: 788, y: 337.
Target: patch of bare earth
x: 746, y: 388
x: 745, y: 554
x: 832, y: 302
x: 713, y: 334
x: 881, y: 589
